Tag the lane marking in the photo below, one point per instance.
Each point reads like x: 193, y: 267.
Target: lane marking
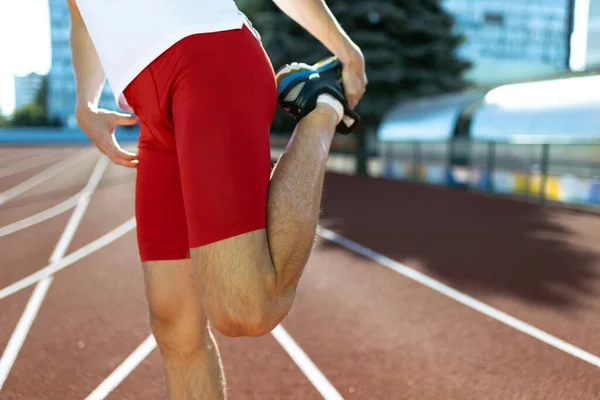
x: 41, y: 216
x: 71, y: 258
x: 39, y: 294
x: 462, y: 298
x: 18, y: 337
x: 40, y: 177
x: 123, y: 370
x: 312, y: 372
x: 25, y: 164
x: 82, y: 205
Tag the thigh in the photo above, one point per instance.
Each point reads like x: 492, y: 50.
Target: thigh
x: 223, y: 105
x: 161, y: 220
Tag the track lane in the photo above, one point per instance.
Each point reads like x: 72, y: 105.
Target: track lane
x: 14, y: 154
x: 103, y: 297
x: 7, y: 180
x: 11, y: 310
x: 538, y: 264
x: 50, y: 192
x: 379, y: 335
x: 372, y: 332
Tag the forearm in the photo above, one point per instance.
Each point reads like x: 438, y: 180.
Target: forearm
x: 89, y: 74
x: 317, y: 19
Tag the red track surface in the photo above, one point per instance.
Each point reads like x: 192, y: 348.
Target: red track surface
x: 374, y: 333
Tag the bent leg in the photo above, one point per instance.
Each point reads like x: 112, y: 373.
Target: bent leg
x: 251, y: 231
x: 249, y: 281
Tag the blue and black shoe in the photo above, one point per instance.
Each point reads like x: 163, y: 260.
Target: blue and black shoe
x: 299, y: 85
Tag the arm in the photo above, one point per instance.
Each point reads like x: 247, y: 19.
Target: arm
x: 317, y: 19
x: 98, y: 124
x: 89, y: 75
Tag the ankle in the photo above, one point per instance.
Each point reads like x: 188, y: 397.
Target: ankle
x: 333, y: 103
x: 322, y: 115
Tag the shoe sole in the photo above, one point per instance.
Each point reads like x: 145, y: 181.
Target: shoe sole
x: 327, y: 65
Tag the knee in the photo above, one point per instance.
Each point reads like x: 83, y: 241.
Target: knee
x: 249, y: 321
x: 245, y: 325
x: 179, y: 334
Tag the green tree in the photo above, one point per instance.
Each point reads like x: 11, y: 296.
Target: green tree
x: 30, y: 115
x: 3, y: 119
x: 41, y: 97
x: 409, y: 46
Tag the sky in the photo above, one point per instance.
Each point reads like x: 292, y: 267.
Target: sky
x: 24, y: 44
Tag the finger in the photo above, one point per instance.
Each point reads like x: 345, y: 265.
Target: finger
x: 352, y: 99
x: 126, y: 156
x: 127, y: 164
x: 125, y: 119
x: 121, y: 159
x: 122, y: 151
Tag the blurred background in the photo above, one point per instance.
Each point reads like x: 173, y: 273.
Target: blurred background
x: 491, y: 95
x: 472, y: 104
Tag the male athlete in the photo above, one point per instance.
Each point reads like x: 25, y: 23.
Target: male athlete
x: 221, y: 237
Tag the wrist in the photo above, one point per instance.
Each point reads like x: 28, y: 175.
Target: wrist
x: 83, y: 108
x: 349, y: 54
x: 83, y: 105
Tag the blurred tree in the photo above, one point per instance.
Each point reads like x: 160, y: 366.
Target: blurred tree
x: 3, y: 119
x: 409, y: 46
x: 41, y: 97
x: 30, y: 115
x: 35, y: 113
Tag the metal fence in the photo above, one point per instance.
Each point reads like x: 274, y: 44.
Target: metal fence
x: 560, y: 171
x: 564, y: 171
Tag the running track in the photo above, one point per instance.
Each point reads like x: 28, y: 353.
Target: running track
x: 415, y: 292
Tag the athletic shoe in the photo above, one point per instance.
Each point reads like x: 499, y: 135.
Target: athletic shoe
x: 299, y: 85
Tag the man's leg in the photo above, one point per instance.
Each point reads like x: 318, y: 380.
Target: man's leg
x: 250, y: 231
x: 188, y: 350
x: 249, y: 281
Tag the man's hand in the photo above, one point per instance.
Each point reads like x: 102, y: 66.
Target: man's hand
x: 99, y: 125
x: 316, y: 18
x: 354, y: 76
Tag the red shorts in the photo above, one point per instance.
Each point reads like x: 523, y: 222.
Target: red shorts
x: 206, y: 106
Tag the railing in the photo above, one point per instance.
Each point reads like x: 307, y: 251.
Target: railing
x: 559, y: 171
x: 564, y: 171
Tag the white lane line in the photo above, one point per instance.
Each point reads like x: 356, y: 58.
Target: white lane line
x: 40, y: 217
x: 37, y: 298
x: 314, y: 375
x: 462, y: 298
x: 16, y: 340
x: 123, y: 370
x: 73, y: 257
x: 82, y: 205
x: 39, y: 178
x: 25, y: 164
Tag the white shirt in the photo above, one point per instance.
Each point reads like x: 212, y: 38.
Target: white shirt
x: 129, y: 34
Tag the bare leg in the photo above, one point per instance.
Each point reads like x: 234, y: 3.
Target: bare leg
x: 248, y: 282
x: 187, y: 347
x: 295, y: 196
